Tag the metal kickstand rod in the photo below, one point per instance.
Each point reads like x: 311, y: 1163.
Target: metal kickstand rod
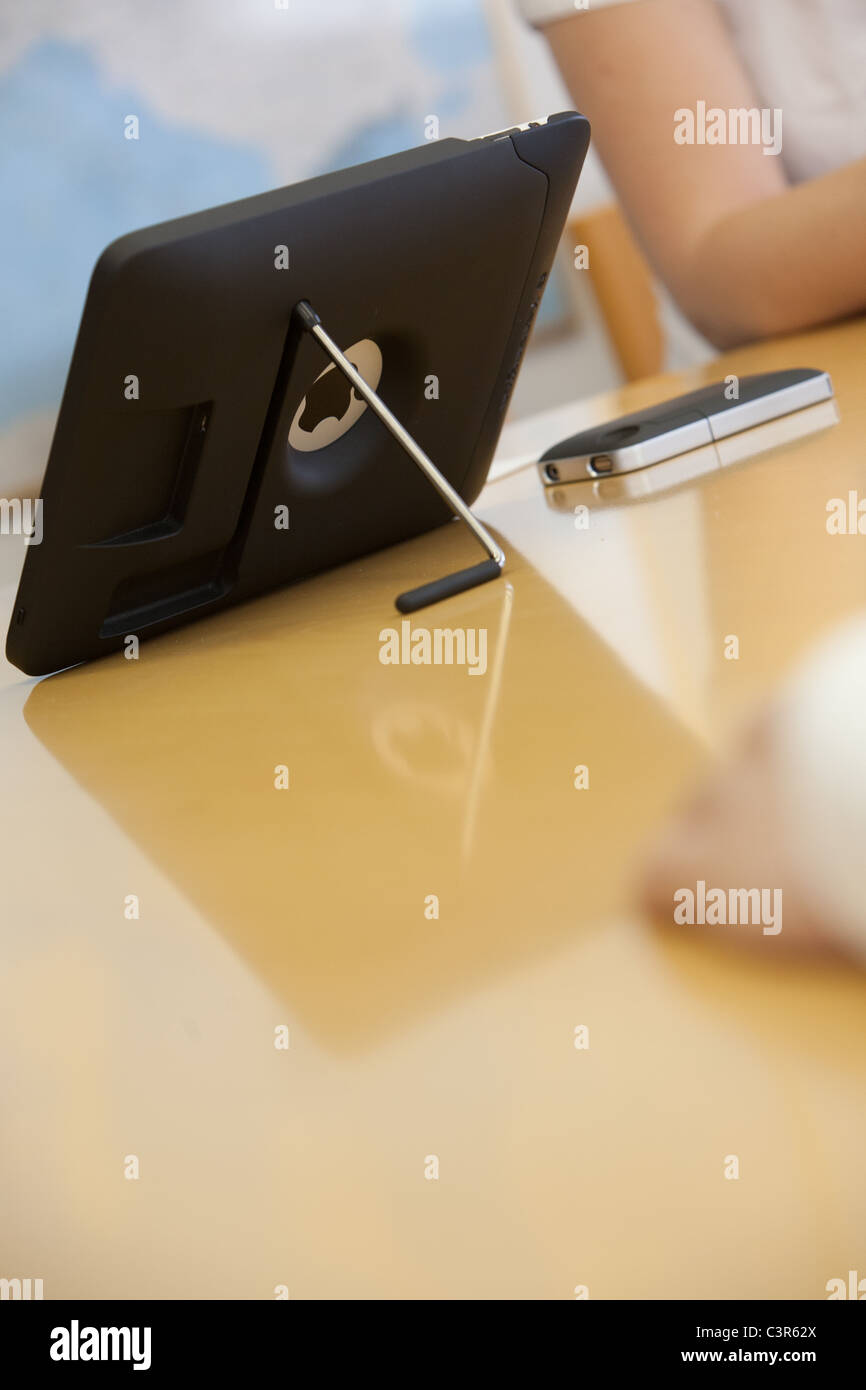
x: 449, y: 584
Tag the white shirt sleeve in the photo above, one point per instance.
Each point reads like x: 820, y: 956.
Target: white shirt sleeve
x: 538, y: 12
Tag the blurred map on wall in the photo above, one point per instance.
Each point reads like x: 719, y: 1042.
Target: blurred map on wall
x: 233, y: 97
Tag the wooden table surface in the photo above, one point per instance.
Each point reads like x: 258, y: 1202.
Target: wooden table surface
x: 305, y: 914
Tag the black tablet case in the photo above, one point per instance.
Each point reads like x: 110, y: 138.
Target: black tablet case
x: 161, y: 508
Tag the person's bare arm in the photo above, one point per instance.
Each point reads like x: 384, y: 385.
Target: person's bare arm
x: 744, y: 254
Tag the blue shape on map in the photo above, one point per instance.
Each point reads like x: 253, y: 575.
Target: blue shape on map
x: 70, y: 183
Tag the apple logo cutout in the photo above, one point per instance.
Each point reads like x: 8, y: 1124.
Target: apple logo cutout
x: 330, y: 408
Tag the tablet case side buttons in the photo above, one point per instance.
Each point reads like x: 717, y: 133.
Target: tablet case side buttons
x: 511, y: 377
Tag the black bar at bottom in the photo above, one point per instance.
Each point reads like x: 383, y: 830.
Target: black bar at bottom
x: 204, y: 1341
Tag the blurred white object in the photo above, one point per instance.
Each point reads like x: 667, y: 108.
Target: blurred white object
x: 821, y: 750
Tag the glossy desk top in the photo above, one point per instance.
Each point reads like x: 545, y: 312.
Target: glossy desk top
x: 413, y: 1036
